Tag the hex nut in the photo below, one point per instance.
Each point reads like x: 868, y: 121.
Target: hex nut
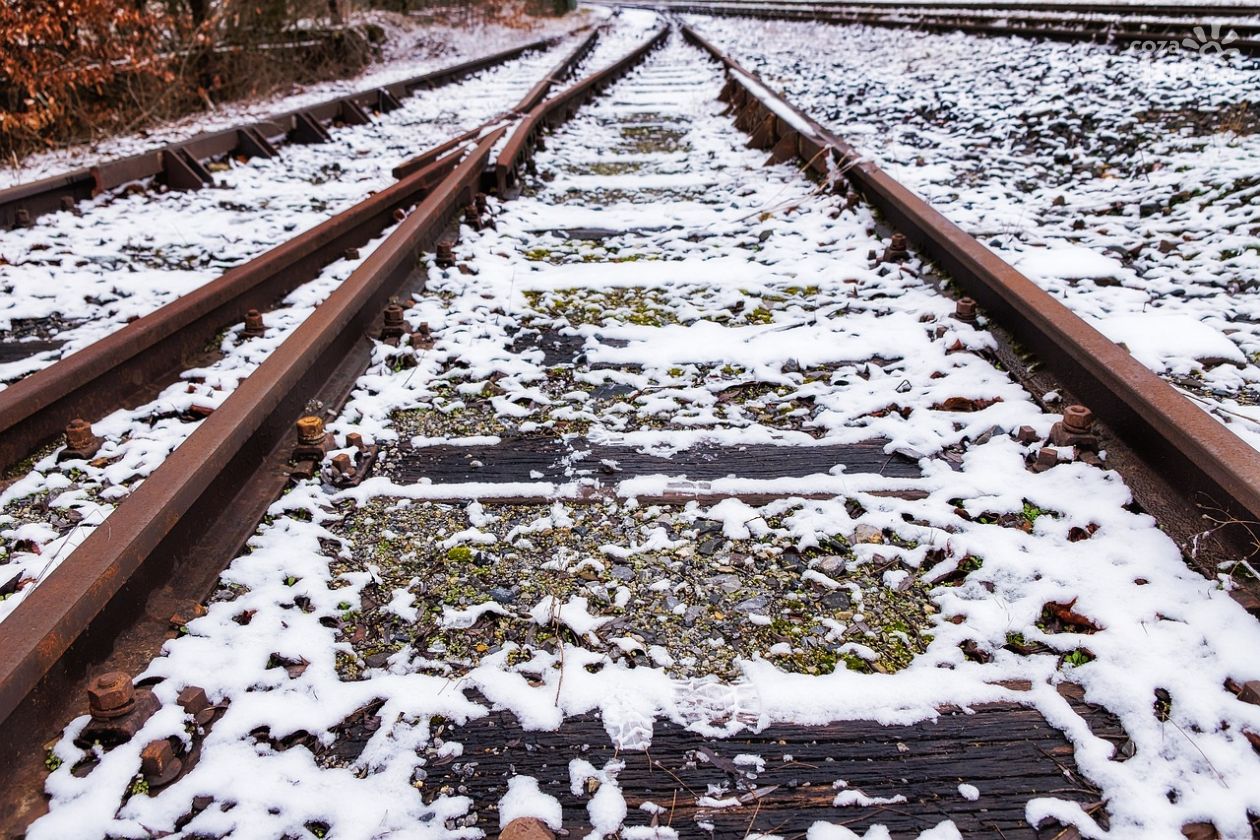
x: 111, y: 695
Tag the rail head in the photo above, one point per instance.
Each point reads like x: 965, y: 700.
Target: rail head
x: 521, y: 142
x: 1210, y: 466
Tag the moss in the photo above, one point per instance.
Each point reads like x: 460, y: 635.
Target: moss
x: 459, y: 554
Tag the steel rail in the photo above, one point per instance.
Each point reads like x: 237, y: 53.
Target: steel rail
x: 1055, y: 29
x: 519, y: 147
x: 136, y: 361
x: 180, y: 162
x: 1204, y: 464
x: 168, y: 514
x: 536, y: 95
x: 164, y: 545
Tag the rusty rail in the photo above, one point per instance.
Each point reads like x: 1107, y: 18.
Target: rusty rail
x: 1014, y: 20
x: 196, y: 510
x: 535, y: 95
x: 519, y: 147
x: 137, y: 361
x: 164, y: 546
x: 1205, y: 465
x: 179, y: 164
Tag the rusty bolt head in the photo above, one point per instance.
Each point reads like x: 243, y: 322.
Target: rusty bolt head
x: 193, y: 700
x: 79, y: 434
x: 111, y: 696
x: 1250, y: 692
x: 158, y: 762
x: 1078, y: 419
x: 254, y: 325
x: 351, y: 253
x: 965, y: 310
x: 67, y: 203
x: 310, y: 430
x: 1026, y: 434
x: 355, y: 440
x: 899, y: 242
x: 22, y: 217
x: 472, y: 214
x: 424, y: 329
x: 1047, y: 457
x: 393, y: 315
x: 480, y: 200
x: 445, y: 255
x: 526, y: 828
x: 342, y: 464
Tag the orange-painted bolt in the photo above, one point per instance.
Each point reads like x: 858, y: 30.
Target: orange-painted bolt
x: 1078, y: 419
x: 79, y: 434
x: 111, y: 696
x: 965, y: 310
x: 310, y: 431
x: 254, y: 326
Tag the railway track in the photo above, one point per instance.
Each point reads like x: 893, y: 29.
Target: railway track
x: 665, y: 448
x: 1164, y: 27
x: 181, y: 166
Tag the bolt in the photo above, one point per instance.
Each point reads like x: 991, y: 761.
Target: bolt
x: 400, y: 214
x: 310, y: 430
x: 254, y: 326
x: 445, y: 255
x: 79, y: 435
x: 393, y: 326
x: 472, y: 216
x: 1078, y: 419
x: 1047, y: 457
x: 351, y: 253
x: 482, y: 203
x: 158, y: 763
x: 22, y: 218
x: 111, y: 696
x: 355, y: 440
x: 424, y: 330
x: 67, y: 203
x: 1250, y: 692
x: 897, y: 251
x: 343, y: 465
x: 1026, y: 434
x: 965, y: 310
x: 526, y: 828
x: 194, y: 701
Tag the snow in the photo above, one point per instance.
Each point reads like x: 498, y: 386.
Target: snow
x: 524, y: 799
x: 1162, y: 626
x: 1119, y: 181
x: 969, y: 792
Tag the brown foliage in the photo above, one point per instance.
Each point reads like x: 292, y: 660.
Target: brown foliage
x: 57, y: 51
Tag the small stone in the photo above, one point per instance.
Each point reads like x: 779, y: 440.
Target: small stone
x: 754, y: 604
x: 867, y: 534
x: 728, y: 583
x: 502, y: 596
x: 710, y: 546
x: 623, y: 572
x: 831, y: 564
x: 837, y: 601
